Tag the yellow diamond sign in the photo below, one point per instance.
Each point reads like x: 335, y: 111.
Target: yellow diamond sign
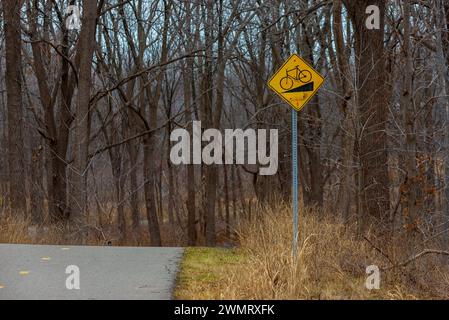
x: 296, y: 82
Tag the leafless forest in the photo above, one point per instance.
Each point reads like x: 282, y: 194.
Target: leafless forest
x: 86, y: 116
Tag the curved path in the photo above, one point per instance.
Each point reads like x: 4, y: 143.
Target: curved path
x: 50, y: 272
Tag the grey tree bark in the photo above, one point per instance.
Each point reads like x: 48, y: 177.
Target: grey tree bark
x: 13, y: 55
x: 79, y: 214
x: 407, y: 104
x: 372, y: 91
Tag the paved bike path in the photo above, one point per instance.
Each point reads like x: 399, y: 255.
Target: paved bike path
x: 39, y: 272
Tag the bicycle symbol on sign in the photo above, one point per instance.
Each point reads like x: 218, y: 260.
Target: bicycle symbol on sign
x: 294, y: 75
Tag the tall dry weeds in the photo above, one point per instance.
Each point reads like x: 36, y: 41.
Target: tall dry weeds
x: 18, y: 229
x: 331, y: 263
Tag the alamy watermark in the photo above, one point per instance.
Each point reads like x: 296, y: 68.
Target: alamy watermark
x: 373, y: 20
x: 73, y: 280
x: 258, y: 151
x: 373, y: 280
x: 73, y: 20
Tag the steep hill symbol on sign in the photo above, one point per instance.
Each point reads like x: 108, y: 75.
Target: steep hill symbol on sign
x: 304, y: 88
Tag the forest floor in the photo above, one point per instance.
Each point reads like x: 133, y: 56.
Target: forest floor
x: 331, y: 264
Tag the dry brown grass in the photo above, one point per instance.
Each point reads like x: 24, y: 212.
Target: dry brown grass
x: 17, y: 229
x: 20, y: 230
x: 331, y: 261
x: 331, y: 264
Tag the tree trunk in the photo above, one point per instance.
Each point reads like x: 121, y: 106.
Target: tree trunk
x: 171, y: 187
x: 150, y: 141
x: 347, y: 104
x: 119, y: 183
x: 371, y: 76
x: 443, y: 106
x: 407, y: 104
x: 4, y: 181
x: 311, y: 130
x: 79, y: 214
x: 36, y: 182
x: 150, y: 201
x: 13, y: 55
x: 190, y: 106
x: 134, y: 197
x: 226, y: 203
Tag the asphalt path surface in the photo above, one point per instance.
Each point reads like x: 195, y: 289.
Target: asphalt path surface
x: 34, y: 272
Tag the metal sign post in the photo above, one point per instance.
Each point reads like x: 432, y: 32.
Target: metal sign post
x: 296, y: 82
x: 295, y: 181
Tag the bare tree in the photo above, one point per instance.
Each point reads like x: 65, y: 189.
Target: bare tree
x: 79, y: 213
x: 372, y: 87
x: 13, y: 76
